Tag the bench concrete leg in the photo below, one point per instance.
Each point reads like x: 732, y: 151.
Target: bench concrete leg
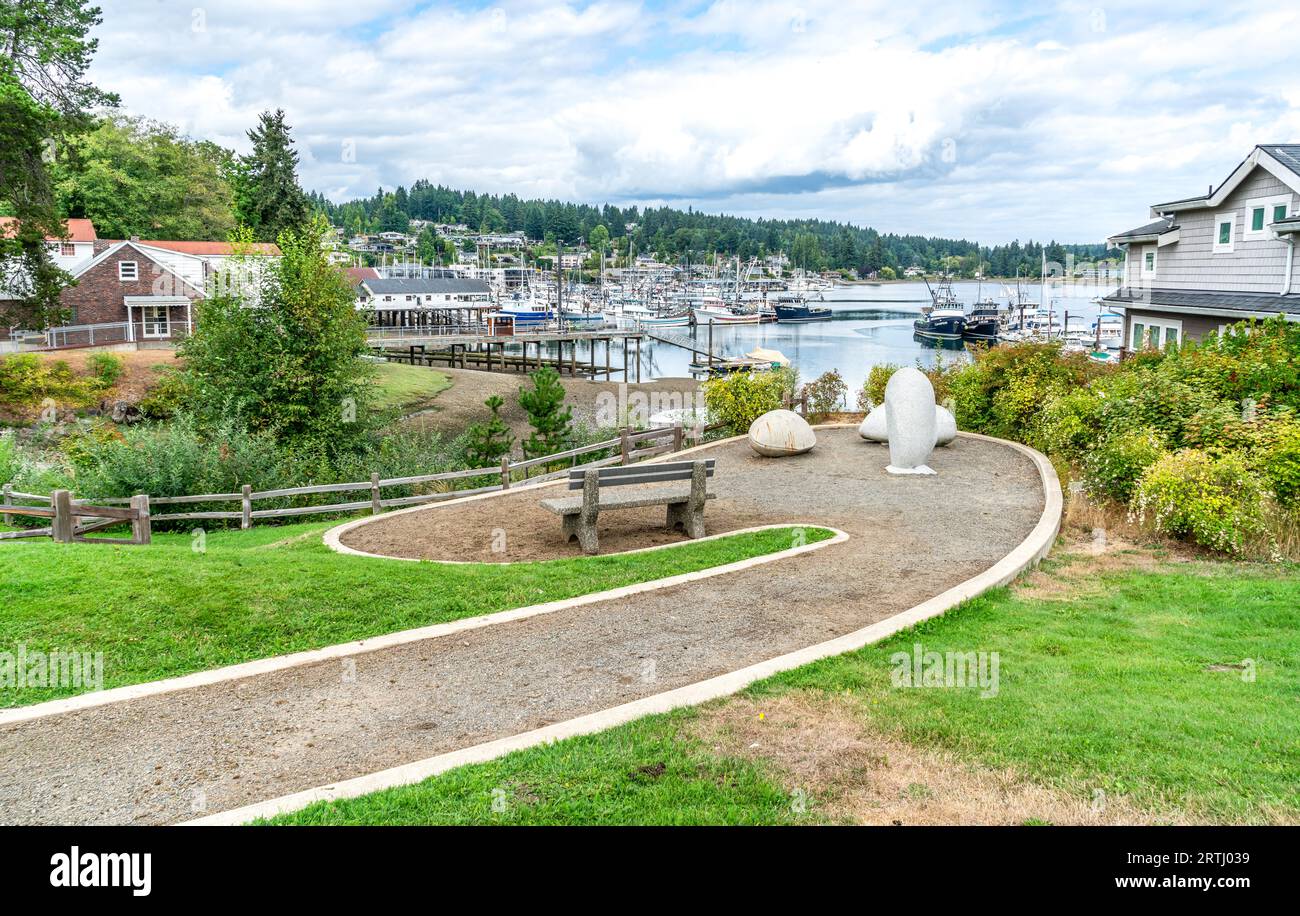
x: 688, y: 517
x: 584, y: 529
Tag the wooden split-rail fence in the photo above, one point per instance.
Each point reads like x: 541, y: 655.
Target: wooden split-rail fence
x: 64, y: 511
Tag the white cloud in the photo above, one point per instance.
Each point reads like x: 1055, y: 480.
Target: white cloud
x: 949, y: 118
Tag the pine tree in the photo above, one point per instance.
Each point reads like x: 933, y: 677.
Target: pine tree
x: 270, y: 199
x: 487, y: 442
x: 550, y: 419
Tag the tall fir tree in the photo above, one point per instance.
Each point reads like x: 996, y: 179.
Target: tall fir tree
x: 44, y: 98
x: 270, y: 198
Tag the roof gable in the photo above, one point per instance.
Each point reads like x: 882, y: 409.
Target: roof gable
x: 1280, y: 159
x: 144, y: 253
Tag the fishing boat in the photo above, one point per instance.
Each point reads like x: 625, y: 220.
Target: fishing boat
x: 714, y: 310
x: 797, y: 310
x: 526, y: 310
x: 582, y: 318
x: 944, y: 319
x: 984, y: 323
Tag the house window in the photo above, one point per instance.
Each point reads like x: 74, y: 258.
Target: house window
x: 1155, y: 333
x: 153, y: 318
x: 1262, y: 211
x: 1223, y: 228
x: 128, y: 270
x: 1149, y: 264
x: 68, y: 250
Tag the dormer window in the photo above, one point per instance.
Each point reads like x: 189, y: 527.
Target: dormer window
x: 1224, y: 225
x: 68, y: 250
x: 1261, y: 213
x: 128, y: 270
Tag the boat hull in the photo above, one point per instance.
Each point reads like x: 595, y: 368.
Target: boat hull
x: 800, y: 314
x: 940, y: 328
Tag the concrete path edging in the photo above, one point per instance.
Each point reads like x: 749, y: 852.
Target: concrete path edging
x: 401, y: 637
x: 1025, y: 555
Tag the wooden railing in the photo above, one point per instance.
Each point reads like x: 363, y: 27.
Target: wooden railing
x: 629, y: 446
x: 64, y: 512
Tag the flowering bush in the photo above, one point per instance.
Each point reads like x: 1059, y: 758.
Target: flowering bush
x: 1112, y: 469
x: 1215, y: 502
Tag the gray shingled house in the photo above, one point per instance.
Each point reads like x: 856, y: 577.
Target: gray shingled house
x: 1206, y: 262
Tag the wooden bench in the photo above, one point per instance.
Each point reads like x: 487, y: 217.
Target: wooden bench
x: 685, y: 504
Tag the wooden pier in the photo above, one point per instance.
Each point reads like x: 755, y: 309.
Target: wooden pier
x: 490, y: 353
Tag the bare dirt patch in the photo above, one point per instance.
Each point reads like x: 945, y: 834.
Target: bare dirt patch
x: 826, y: 748
x: 141, y: 369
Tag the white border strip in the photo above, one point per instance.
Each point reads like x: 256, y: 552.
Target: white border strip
x: 402, y: 637
x: 1032, y: 549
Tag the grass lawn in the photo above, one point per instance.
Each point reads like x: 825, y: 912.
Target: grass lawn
x: 407, y: 386
x: 167, y: 609
x: 1115, y: 677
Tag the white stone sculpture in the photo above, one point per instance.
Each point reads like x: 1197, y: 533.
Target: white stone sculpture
x: 911, y: 421
x: 875, y: 427
x: 778, y: 433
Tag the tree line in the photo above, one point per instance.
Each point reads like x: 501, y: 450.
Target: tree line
x: 675, y: 235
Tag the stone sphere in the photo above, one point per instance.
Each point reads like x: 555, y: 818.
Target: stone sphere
x: 778, y: 433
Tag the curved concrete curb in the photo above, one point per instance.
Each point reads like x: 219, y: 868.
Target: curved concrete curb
x: 433, y: 631
x: 1026, y: 554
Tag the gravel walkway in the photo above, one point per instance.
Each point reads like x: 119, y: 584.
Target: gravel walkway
x: 170, y: 757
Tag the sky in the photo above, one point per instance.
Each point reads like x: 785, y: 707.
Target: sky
x: 967, y: 119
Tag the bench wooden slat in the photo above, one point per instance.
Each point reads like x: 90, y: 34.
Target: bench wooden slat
x: 639, y: 474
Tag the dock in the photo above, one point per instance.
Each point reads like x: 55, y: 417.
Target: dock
x: 491, y: 353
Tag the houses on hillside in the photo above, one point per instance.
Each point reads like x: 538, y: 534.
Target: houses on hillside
x: 1206, y: 262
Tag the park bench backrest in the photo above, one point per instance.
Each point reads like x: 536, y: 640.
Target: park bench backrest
x: 643, y: 473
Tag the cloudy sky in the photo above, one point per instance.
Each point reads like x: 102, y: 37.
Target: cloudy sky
x: 981, y: 120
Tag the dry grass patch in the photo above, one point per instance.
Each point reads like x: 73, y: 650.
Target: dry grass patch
x: 824, y: 746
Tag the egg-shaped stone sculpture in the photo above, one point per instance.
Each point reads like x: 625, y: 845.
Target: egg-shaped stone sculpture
x: 778, y: 433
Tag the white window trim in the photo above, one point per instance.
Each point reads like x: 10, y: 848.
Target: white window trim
x: 146, y: 321
x: 1154, y: 253
x: 1268, y: 203
x: 1219, y: 220
x: 135, y: 270
x: 1164, y: 324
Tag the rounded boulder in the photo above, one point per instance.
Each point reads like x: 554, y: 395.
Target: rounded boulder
x: 778, y: 433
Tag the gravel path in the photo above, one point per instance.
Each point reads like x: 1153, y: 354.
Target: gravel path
x: 170, y: 757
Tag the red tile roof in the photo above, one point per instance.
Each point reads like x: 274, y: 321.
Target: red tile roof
x: 210, y: 248
x: 359, y: 274
x: 79, y: 230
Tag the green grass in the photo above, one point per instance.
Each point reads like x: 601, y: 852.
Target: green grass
x: 167, y: 609
x: 403, y: 386
x: 642, y: 773
x: 1102, y: 687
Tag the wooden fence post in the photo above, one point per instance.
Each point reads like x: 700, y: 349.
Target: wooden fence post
x: 141, y: 528
x: 8, y: 501
x: 375, y: 507
x: 626, y: 444
x: 246, y: 508
x: 505, y: 472
x: 803, y: 404
x: 62, y: 526
x: 677, y: 436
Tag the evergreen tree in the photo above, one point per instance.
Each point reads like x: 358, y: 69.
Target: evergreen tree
x: 547, y: 414
x: 44, y: 54
x: 270, y: 200
x: 487, y: 442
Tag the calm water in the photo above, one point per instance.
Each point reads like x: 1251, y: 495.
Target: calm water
x: 861, y: 335
x: 871, y: 325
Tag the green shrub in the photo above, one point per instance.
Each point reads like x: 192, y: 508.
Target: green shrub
x: 1215, y: 502
x: 26, y: 380
x: 488, y: 442
x: 873, y: 390
x: 1279, y: 463
x: 741, y: 398
x: 1113, y: 468
x: 826, y: 393
x: 167, y: 397
x: 1068, y: 425
x: 106, y: 368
